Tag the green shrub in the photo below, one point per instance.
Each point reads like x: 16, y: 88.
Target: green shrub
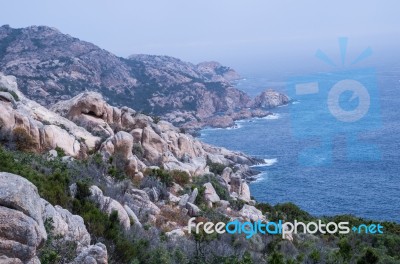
x: 52, y: 185
x: 13, y: 94
x: 293, y: 212
x: 60, y: 152
x: 315, y: 256
x: 370, y: 257
x: 161, y: 174
x: 216, y: 168
x: 180, y: 177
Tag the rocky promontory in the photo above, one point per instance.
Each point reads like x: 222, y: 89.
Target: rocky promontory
x: 51, y: 66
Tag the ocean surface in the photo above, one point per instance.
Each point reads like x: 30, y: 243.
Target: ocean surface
x: 355, y: 180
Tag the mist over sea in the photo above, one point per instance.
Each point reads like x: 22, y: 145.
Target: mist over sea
x: 369, y: 189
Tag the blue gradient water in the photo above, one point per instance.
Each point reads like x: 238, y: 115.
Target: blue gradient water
x: 367, y: 189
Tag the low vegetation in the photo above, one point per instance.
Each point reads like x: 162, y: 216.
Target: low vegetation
x: 150, y: 245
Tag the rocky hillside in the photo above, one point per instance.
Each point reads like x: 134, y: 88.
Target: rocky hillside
x: 121, y: 145
x: 89, y: 183
x: 51, y: 66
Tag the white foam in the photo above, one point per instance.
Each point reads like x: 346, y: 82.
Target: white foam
x: 270, y: 162
x: 272, y: 117
x: 267, y: 163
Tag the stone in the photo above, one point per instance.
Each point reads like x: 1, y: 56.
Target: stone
x: 270, y: 99
x: 120, y: 148
x: 140, y: 203
x: 226, y: 175
x: 251, y: 213
x: 20, y: 235
x: 6, y: 260
x: 52, y: 154
x: 20, y: 194
x: 173, y: 199
x: 193, y: 210
x: 109, y: 205
x: 210, y: 194
x: 183, y: 200
x: 193, y: 195
x: 223, y: 203
x: 132, y: 216
x: 70, y: 227
x: 95, y: 254
x: 175, y: 233
x: 44, y: 129
x: 245, y: 192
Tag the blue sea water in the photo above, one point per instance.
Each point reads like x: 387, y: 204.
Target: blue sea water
x: 365, y: 188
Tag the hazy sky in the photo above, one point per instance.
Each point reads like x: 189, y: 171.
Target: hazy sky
x: 247, y: 35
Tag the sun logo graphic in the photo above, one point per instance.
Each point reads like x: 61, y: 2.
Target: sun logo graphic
x: 343, y: 102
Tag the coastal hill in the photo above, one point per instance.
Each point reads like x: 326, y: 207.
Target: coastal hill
x: 83, y: 180
x: 51, y: 66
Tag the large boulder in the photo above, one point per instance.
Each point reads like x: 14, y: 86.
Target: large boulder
x: 140, y: 203
x: 119, y: 147
x: 210, y: 194
x: 109, y: 205
x: 20, y: 235
x: 20, y: 194
x: 95, y: 254
x: 21, y: 225
x: 249, y: 212
x: 66, y: 225
x: 32, y: 127
x: 270, y: 99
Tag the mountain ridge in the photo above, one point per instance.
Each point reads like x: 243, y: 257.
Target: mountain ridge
x: 51, y: 66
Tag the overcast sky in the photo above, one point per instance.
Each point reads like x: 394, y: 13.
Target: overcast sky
x: 247, y: 35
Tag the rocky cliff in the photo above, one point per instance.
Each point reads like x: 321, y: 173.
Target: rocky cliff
x: 51, y: 66
x: 154, y: 160
x: 86, y: 123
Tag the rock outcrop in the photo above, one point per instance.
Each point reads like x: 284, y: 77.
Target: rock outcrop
x: 152, y: 143
x: 109, y: 205
x: 270, y: 99
x: 22, y: 231
x: 34, y: 128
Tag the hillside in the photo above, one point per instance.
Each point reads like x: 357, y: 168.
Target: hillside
x: 51, y: 66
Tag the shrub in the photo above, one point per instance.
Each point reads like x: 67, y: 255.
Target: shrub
x: 216, y: 168
x: 23, y: 140
x: 180, y: 177
x: 276, y: 258
x: 137, y: 150
x: 156, y: 119
x: 60, y: 152
x: 56, y: 249
x: 370, y: 257
x: 152, y: 182
x: 13, y: 94
x: 220, y: 189
x: 315, y: 256
x: 162, y: 175
x: 293, y: 212
x: 50, y: 177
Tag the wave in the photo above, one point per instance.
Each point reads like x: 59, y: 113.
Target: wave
x: 267, y: 163
x: 272, y: 117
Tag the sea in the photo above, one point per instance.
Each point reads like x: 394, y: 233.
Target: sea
x: 340, y: 177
